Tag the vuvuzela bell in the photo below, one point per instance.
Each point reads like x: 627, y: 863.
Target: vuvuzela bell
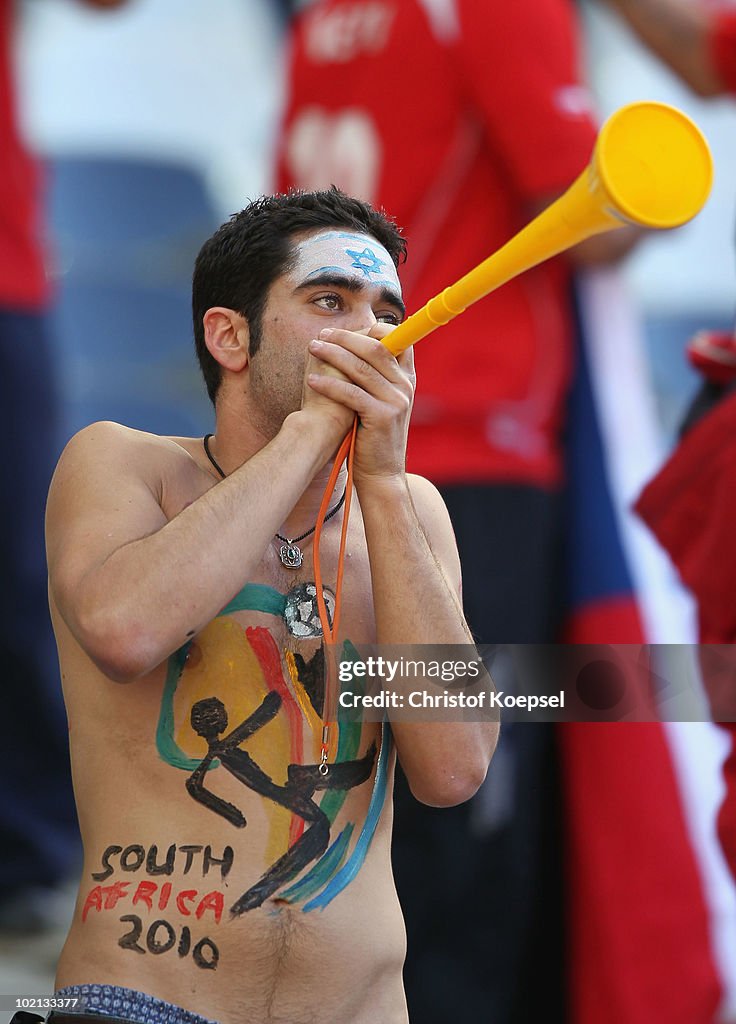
x: 651, y: 166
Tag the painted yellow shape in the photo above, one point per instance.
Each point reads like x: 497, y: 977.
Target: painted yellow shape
x: 314, y: 722
x: 221, y: 663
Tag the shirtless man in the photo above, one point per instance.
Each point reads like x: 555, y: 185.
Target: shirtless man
x: 224, y: 872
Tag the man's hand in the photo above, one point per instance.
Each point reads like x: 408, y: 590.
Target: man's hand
x: 354, y: 372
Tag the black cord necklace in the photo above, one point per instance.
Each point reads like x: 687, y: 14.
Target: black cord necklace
x: 290, y: 553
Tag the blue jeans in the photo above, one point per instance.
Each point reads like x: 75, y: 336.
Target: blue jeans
x: 114, y: 1003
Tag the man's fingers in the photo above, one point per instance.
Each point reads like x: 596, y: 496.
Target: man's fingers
x: 366, y: 347
x: 341, y: 389
x: 365, y: 361
x: 405, y: 359
x: 380, y: 330
x: 352, y: 366
x: 315, y: 365
x: 354, y: 397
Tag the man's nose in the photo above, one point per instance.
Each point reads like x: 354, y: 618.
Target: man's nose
x: 360, y: 319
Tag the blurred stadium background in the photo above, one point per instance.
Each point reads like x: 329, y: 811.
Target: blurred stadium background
x: 157, y: 121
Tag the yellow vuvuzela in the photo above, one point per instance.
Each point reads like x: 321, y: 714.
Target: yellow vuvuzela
x: 651, y: 166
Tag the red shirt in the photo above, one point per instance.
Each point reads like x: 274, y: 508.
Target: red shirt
x: 456, y: 117
x: 688, y: 506
x: 22, y: 275
x: 723, y: 47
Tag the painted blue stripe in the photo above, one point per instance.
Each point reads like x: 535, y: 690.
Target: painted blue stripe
x: 354, y: 863
x: 315, y: 878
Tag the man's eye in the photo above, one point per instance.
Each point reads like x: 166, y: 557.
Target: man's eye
x: 389, y: 318
x: 329, y: 301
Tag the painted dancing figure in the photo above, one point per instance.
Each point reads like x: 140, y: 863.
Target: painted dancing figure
x: 209, y: 720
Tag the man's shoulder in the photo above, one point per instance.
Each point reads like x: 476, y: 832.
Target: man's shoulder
x: 105, y: 438
x: 109, y: 473
x: 108, y: 432
x: 105, y: 451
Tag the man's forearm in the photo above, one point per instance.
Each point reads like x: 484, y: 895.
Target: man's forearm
x: 414, y: 603
x: 678, y: 32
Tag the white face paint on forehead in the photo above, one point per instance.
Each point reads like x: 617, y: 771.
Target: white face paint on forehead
x: 340, y: 251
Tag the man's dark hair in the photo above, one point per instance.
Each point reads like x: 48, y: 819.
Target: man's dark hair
x: 236, y: 267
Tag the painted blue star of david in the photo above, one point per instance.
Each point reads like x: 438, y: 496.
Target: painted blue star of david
x: 367, y: 261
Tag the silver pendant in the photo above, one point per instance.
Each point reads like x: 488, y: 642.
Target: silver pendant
x: 291, y: 555
x: 301, y: 612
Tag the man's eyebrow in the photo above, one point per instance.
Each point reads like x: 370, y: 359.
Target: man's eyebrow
x: 337, y: 278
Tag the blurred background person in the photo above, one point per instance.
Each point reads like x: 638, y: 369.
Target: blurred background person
x: 674, y: 811
x: 486, y: 123
x: 142, y: 156
x: 688, y: 507
x: 39, y: 843
x: 697, y: 40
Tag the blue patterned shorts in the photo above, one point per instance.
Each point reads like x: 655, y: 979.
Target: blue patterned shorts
x: 114, y: 1001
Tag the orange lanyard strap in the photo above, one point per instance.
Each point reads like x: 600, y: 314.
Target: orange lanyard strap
x: 329, y: 629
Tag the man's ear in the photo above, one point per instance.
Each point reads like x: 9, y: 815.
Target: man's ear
x: 227, y: 337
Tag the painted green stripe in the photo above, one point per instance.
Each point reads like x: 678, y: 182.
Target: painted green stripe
x: 168, y: 749
x: 348, y: 742
x: 257, y: 597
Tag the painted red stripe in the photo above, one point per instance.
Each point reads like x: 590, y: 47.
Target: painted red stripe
x: 265, y: 649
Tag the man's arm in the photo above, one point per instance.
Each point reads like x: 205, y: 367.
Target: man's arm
x: 680, y: 33
x: 132, y: 587
x: 415, y: 571
x: 415, y: 568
